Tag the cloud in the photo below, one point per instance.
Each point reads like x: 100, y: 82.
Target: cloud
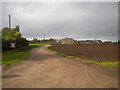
x: 88, y: 20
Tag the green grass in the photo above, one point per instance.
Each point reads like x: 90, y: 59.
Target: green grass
x: 107, y: 64
x: 17, y: 56
x: 36, y: 44
x: 57, y: 53
x: 70, y: 56
x: 89, y: 61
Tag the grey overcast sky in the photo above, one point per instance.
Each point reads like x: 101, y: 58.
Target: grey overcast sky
x: 77, y: 20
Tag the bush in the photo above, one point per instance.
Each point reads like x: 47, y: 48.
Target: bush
x: 6, y: 43
x: 12, y: 36
x: 20, y: 42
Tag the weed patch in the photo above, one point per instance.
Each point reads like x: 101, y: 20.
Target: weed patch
x: 70, y: 56
x: 112, y: 64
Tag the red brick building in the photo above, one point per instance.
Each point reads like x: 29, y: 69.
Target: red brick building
x: 68, y: 41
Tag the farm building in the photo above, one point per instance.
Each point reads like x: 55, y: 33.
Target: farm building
x: 68, y: 41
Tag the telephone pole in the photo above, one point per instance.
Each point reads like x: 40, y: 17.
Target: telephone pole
x: 44, y: 38
x: 9, y: 21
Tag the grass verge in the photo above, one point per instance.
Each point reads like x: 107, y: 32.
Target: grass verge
x: 17, y: 56
x: 107, y: 64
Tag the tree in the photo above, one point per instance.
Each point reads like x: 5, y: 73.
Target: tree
x: 17, y: 35
x: 51, y: 39
x: 5, y: 32
x: 17, y: 28
x: 34, y: 40
x: 14, y: 33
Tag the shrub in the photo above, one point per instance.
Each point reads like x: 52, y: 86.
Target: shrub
x: 12, y: 36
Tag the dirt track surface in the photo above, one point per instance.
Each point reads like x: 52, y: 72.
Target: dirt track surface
x: 97, y: 52
x: 46, y: 70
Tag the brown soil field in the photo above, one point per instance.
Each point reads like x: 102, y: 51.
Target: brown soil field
x: 97, y: 52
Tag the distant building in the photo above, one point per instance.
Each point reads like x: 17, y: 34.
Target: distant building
x: 90, y: 42
x: 97, y: 41
x: 68, y: 41
x: 108, y: 42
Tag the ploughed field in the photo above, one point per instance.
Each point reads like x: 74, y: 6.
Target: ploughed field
x: 97, y: 52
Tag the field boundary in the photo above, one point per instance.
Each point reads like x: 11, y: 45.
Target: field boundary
x: 107, y: 64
